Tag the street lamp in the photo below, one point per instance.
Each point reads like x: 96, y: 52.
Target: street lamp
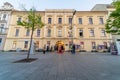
x: 71, y: 27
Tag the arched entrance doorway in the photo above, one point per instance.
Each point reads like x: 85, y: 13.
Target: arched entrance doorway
x: 60, y: 43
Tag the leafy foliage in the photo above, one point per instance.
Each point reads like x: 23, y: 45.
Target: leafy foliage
x: 113, y: 22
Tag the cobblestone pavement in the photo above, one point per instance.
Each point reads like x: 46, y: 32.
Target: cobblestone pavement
x: 52, y: 66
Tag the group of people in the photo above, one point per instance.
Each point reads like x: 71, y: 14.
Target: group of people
x: 59, y: 48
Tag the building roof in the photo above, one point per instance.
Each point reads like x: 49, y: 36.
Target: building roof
x: 101, y: 7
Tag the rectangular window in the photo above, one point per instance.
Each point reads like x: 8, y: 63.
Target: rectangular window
x: 4, y: 16
x: 103, y: 33
x: 59, y: 20
x: 26, y: 44
x: 49, y: 20
x: 81, y: 32
x: 17, y: 32
x: 82, y: 45
x: 92, y: 32
x: 101, y: 20
x: 93, y: 45
x: 49, y: 33
x: 38, y: 32
x: 80, y: 20
x: 14, y: 44
x: 70, y: 21
x: 0, y: 41
x: 48, y: 43
x: 19, y: 19
x: 90, y: 21
x: 2, y: 30
x: 59, y: 33
x: 105, y: 45
x: 28, y: 32
x: 37, y: 44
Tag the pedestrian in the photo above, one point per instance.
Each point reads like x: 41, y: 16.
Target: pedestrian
x: 44, y: 49
x: 73, y: 49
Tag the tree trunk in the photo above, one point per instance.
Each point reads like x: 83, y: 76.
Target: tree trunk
x: 31, y: 39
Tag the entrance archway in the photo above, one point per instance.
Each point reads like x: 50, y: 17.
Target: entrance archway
x: 60, y: 43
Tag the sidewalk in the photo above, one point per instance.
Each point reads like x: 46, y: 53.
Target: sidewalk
x: 52, y: 66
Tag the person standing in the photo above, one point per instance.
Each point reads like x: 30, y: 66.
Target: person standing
x: 73, y: 49
x: 44, y: 49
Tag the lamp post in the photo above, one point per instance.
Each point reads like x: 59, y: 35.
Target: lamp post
x: 71, y: 28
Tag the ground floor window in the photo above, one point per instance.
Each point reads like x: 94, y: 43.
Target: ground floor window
x: 0, y: 41
x: 93, y: 45
x: 82, y: 45
x: 14, y: 44
x: 105, y: 45
x: 37, y: 44
x: 26, y: 44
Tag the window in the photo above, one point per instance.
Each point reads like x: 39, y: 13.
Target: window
x: 70, y: 33
x: 103, y: 33
x: 70, y: 20
x: 49, y: 20
x: 48, y: 43
x: 59, y: 32
x: 81, y: 32
x: 19, y: 19
x: 17, y: 32
x: 59, y: 20
x: 49, y: 33
x: 2, y: 30
x: 38, y: 32
x: 82, y: 45
x: 90, y: 21
x: 14, y: 44
x: 93, y: 45
x: 101, y: 20
x: 80, y: 20
x: 28, y: 32
x: 26, y: 44
x: 0, y: 41
x: 4, y: 16
x: 37, y: 44
x: 105, y: 45
x: 91, y: 32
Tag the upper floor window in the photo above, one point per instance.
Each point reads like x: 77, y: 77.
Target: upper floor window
x: 49, y: 20
x: 19, y: 19
x: 80, y: 20
x: 92, y: 32
x: 17, y: 32
x: 2, y: 28
x: 59, y: 32
x: 0, y: 41
x: 70, y: 20
x: 38, y: 32
x: 4, y: 16
x: 49, y: 33
x: 26, y: 44
x: 0, y: 16
x: 90, y: 20
x: 101, y: 20
x: 59, y: 20
x: 81, y: 32
x: 103, y: 33
x: 28, y: 32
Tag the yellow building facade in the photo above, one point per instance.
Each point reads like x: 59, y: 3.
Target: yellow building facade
x: 88, y: 30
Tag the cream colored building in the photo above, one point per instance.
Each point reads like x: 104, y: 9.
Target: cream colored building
x: 88, y: 30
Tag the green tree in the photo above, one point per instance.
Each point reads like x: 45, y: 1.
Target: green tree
x: 32, y: 22
x: 113, y: 21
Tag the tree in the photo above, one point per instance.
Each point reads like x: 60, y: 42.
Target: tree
x: 32, y: 22
x: 113, y: 21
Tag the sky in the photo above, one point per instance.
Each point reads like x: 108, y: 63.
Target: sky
x: 41, y: 5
